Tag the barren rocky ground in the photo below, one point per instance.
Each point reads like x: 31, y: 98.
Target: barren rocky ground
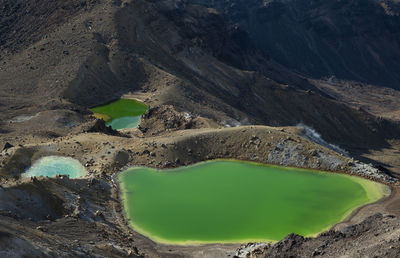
x: 213, y: 93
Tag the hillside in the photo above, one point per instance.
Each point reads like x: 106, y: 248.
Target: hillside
x: 311, y: 84
x: 352, y: 40
x: 185, y: 51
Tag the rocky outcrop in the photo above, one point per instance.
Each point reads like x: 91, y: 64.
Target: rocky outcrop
x: 377, y: 236
x: 14, y: 246
x: 7, y: 145
x: 99, y: 126
x: 165, y: 118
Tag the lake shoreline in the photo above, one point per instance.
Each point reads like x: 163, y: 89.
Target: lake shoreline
x: 121, y: 114
x: 347, y: 217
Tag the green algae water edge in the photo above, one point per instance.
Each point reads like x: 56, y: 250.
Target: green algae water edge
x: 121, y: 114
x: 54, y: 165
x: 226, y: 201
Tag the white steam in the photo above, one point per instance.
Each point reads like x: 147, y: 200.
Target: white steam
x: 312, y: 135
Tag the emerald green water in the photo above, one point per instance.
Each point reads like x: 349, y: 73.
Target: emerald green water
x: 231, y: 201
x: 54, y: 165
x: 121, y: 114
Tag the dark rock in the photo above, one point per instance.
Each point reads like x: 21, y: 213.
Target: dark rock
x: 338, y: 29
x: 100, y: 127
x: 41, y: 228
x: 7, y: 146
x: 121, y: 158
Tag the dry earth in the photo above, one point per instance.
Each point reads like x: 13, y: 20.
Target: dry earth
x: 83, y: 217
x: 205, y: 82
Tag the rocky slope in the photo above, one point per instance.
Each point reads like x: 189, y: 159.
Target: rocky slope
x: 184, y: 55
x: 366, y: 239
x: 201, y: 72
x: 354, y: 40
x: 82, y: 217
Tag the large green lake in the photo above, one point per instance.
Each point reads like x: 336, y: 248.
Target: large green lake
x: 227, y: 201
x: 121, y: 114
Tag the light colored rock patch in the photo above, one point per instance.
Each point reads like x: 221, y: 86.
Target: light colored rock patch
x: 368, y: 170
x: 290, y: 153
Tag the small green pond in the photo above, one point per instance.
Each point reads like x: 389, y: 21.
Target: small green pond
x: 54, y: 165
x: 227, y: 201
x: 121, y: 114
